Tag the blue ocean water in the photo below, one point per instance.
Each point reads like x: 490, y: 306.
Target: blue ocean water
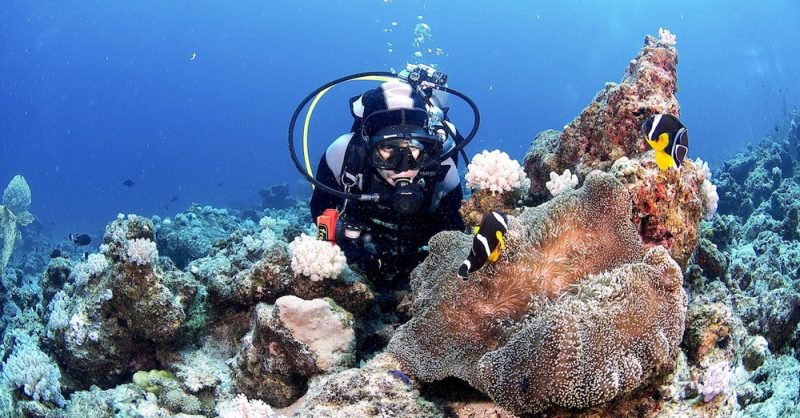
x: 190, y: 100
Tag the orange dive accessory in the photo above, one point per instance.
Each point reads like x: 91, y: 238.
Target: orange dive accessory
x: 326, y: 225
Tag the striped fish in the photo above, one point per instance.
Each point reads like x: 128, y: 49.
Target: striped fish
x: 487, y: 244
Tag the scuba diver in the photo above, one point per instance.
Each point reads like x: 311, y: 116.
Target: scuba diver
x: 389, y: 143
x: 384, y: 189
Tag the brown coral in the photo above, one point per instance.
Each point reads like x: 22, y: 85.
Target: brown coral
x: 485, y: 201
x: 523, y: 304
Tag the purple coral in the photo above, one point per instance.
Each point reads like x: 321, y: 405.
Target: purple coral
x: 716, y: 379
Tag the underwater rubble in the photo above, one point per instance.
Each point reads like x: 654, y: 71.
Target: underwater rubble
x: 626, y: 291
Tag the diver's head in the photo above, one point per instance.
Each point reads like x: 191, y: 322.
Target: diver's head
x: 395, y: 128
x: 400, y: 151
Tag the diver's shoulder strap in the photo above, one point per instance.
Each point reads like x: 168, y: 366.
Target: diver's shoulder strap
x: 335, y: 155
x: 451, y: 181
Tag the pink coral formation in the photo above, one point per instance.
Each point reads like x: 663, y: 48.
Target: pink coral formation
x: 561, y: 319
x: 290, y: 342
x: 667, y: 206
x: 608, y: 128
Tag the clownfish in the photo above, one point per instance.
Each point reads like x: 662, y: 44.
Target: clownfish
x: 669, y: 138
x: 488, y: 242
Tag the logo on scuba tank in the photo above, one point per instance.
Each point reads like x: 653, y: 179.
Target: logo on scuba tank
x: 322, y: 234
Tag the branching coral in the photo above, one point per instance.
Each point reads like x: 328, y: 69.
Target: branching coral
x: 573, y: 292
x: 316, y: 259
x: 31, y: 370
x: 142, y: 251
x: 560, y: 183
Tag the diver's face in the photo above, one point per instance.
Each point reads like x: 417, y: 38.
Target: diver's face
x: 393, y: 176
x: 386, y: 152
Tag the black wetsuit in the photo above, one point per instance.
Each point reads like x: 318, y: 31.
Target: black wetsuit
x: 396, y: 243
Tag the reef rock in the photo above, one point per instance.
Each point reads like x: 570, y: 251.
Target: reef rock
x: 290, y: 342
x: 574, y: 314
x: 191, y: 233
x: 609, y: 127
x: 377, y: 389
x: 667, y: 205
x: 119, y: 306
x: 252, y: 266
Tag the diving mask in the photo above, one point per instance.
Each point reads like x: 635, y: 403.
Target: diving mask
x: 397, y: 150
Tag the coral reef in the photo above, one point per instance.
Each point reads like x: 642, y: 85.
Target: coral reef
x: 290, y: 342
x: 667, y: 206
x: 107, y: 322
x: 608, y: 128
x: 609, y: 300
x: 13, y: 214
x: 254, y: 265
x: 498, y: 184
x: 553, y: 315
x: 191, y: 234
x: 377, y: 389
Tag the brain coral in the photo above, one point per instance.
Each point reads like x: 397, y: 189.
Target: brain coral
x: 572, y: 315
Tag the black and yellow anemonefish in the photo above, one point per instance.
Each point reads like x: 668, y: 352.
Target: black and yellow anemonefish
x: 669, y: 138
x: 487, y: 243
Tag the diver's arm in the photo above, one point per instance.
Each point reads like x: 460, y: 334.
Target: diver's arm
x: 320, y: 200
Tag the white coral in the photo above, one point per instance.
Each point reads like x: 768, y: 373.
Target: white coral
x: 142, y: 251
x: 708, y: 191
x: 31, y: 370
x: 497, y: 172
x: 561, y: 183
x: 316, y: 259
x: 710, y: 198
x: 241, y: 407
x: 667, y: 37
x: 94, y: 265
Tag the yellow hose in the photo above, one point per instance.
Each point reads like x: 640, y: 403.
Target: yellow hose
x: 311, y: 110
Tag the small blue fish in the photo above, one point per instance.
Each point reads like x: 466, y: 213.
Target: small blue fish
x: 487, y: 244
x: 402, y: 376
x: 523, y: 385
